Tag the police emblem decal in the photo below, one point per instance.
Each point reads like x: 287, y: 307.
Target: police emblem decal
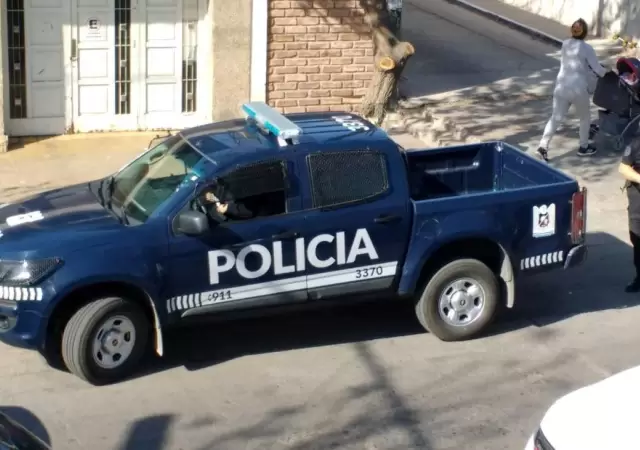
x: 544, y: 220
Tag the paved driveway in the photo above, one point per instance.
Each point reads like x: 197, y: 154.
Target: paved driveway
x: 364, y: 377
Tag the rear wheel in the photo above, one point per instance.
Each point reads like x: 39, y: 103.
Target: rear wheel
x: 459, y: 301
x: 104, y: 341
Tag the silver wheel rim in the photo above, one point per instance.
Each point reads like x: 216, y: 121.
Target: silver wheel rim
x: 113, y: 342
x: 461, y: 302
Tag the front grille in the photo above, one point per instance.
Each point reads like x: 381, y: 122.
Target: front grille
x: 541, y: 442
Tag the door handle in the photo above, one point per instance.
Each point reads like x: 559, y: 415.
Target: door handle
x: 74, y: 49
x: 286, y: 235
x: 386, y: 218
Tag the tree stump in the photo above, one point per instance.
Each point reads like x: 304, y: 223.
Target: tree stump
x: 391, y: 57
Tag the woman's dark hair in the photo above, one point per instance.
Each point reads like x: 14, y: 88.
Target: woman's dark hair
x: 579, y: 29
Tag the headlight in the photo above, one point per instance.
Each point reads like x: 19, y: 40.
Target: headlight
x: 27, y: 273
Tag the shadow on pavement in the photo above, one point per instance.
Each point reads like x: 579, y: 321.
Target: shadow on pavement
x: 597, y: 285
x: 283, y: 426
x: 541, y: 299
x: 201, y: 346
x: 30, y: 422
x: 148, y: 433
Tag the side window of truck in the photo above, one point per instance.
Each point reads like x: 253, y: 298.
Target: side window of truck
x: 260, y: 190
x: 343, y: 178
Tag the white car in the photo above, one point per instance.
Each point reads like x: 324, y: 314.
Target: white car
x: 601, y: 416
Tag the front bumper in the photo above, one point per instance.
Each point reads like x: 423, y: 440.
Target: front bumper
x: 576, y: 256
x: 19, y: 328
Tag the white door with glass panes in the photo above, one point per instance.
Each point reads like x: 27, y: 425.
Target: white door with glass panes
x: 36, y: 67
x: 135, y: 64
x: 102, y: 56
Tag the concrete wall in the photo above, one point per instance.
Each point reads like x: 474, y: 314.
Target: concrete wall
x: 603, y: 16
x: 231, y: 56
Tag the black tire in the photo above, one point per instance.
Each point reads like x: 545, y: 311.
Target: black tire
x: 428, y: 304
x: 81, y: 329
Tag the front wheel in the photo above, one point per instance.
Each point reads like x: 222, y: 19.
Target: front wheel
x: 104, y: 341
x: 459, y: 301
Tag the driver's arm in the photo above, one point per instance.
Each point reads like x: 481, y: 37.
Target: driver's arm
x: 238, y: 211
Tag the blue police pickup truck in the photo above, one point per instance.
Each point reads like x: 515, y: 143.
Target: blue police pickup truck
x: 273, y: 210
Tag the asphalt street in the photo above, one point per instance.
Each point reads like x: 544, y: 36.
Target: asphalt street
x: 368, y: 377
x: 458, y: 49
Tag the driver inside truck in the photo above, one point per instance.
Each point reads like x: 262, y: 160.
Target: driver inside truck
x: 230, y: 209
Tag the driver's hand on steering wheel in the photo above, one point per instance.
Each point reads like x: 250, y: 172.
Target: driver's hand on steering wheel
x: 222, y: 207
x: 211, y: 198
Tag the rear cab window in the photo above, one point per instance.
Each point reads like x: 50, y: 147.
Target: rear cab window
x: 345, y: 178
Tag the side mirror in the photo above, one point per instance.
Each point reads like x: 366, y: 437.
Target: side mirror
x: 192, y: 223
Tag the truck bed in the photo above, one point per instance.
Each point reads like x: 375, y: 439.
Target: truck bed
x: 475, y: 169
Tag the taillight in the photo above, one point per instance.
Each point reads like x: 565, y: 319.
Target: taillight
x: 579, y: 216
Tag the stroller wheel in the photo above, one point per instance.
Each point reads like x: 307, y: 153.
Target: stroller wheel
x: 618, y: 144
x: 593, y: 130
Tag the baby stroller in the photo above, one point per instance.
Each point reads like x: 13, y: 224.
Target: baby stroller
x: 618, y: 96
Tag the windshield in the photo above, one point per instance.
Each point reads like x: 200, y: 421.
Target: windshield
x: 145, y: 184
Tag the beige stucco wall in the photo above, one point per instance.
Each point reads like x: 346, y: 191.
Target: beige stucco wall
x: 604, y: 16
x: 231, y: 56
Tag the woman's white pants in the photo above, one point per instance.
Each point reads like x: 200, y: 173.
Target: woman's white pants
x: 561, y: 104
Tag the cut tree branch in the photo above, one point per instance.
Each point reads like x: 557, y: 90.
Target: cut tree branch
x: 390, y: 58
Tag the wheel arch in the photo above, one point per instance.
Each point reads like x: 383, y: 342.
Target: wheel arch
x: 82, y: 294
x: 487, y: 250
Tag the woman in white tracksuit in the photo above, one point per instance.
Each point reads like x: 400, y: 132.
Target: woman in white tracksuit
x: 574, y: 86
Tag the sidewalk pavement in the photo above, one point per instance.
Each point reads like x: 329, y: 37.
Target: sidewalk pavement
x: 38, y: 164
x: 537, y: 26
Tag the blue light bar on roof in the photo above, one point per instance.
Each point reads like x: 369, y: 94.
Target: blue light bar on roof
x: 272, y: 120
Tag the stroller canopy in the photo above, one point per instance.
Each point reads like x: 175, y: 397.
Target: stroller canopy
x: 628, y: 65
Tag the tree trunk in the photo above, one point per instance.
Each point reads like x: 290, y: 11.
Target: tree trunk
x: 390, y: 58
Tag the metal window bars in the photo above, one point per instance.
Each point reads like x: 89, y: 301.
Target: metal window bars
x: 189, y: 55
x: 123, y: 57
x: 16, y: 59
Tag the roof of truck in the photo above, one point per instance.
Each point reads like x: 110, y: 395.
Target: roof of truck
x: 236, y: 138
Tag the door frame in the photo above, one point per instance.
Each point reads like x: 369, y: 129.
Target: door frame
x: 25, y: 127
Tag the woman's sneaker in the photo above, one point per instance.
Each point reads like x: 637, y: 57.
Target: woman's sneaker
x: 542, y: 154
x: 587, y: 151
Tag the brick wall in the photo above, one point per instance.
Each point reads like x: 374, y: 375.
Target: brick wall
x: 320, y: 55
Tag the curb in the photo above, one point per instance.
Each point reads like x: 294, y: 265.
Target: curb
x: 533, y: 32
